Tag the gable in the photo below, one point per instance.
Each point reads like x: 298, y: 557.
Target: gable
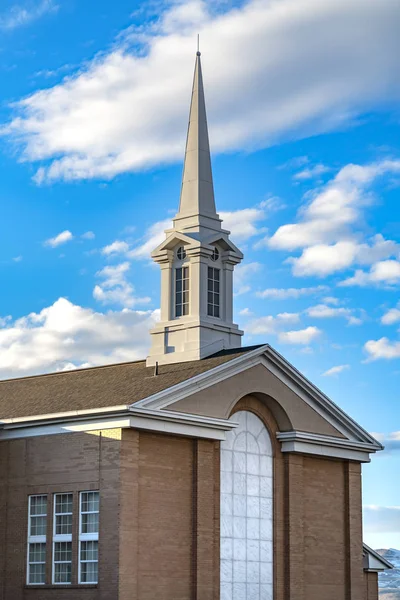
x: 289, y: 410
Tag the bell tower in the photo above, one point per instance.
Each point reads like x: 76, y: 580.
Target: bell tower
x: 196, y: 259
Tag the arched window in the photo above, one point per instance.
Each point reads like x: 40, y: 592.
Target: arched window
x: 247, y: 511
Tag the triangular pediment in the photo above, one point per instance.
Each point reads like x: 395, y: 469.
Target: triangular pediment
x: 304, y: 413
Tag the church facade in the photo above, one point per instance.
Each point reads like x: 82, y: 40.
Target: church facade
x: 206, y: 472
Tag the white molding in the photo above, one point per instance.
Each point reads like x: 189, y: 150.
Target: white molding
x: 325, y: 446
x: 285, y: 372
x: 164, y: 422
x: 177, y: 392
x: 374, y: 562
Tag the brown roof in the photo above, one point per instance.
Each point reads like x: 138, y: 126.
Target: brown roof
x: 99, y: 387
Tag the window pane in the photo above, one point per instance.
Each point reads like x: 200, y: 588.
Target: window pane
x: 178, y: 274
x: 63, y: 503
x: 37, y: 553
x: 62, y: 573
x: 37, y: 573
x: 38, y: 505
x: 90, y: 523
x: 63, y: 524
x: 89, y: 572
x: 38, y: 526
x: 89, y: 550
x: 62, y: 551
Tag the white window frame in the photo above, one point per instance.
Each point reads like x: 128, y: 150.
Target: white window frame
x: 36, y: 539
x: 87, y: 537
x: 185, y: 306
x: 66, y: 537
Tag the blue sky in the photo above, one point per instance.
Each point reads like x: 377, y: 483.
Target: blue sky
x: 302, y: 100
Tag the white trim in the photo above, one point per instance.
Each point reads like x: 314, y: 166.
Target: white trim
x: 200, y: 382
x: 87, y: 537
x: 61, y: 538
x: 285, y: 372
x: 36, y: 539
x: 374, y: 562
x: 324, y: 445
x: 152, y: 420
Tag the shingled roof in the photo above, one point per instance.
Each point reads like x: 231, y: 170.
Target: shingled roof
x: 99, y: 387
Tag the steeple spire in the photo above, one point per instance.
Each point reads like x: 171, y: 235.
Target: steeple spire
x: 197, y: 259
x: 197, y: 192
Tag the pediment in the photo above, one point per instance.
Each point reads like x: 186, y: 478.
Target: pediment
x: 302, y: 411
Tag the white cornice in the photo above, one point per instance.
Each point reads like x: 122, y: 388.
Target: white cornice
x: 284, y: 371
x: 325, y: 446
x: 149, y: 420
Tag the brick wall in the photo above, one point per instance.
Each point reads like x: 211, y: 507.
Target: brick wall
x: 371, y: 586
x: 47, y: 465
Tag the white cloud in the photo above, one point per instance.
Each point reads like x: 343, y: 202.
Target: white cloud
x: 115, y: 289
x: 391, y: 316
x: 65, y: 335
x: 17, y: 259
x: 20, y: 16
x: 271, y: 325
x: 323, y: 311
x: 242, y: 277
x: 154, y: 235
x: 383, y: 273
x: 117, y: 247
x: 301, y: 336
x: 283, y: 293
x: 311, y: 172
x: 245, y: 312
x: 382, y: 348
x: 326, y: 228
x: 336, y: 83
x: 61, y: 238
x: 335, y: 370
x: 243, y: 223
x: 88, y: 235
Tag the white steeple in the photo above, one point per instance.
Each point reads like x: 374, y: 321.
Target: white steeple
x: 196, y: 259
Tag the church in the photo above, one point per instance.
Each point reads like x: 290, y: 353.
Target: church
x: 209, y: 471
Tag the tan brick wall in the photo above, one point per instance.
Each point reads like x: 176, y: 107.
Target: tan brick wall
x: 165, y: 532
x: 46, y: 465
x: 371, y: 586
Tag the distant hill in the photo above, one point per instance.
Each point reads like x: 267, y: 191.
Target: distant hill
x: 389, y: 581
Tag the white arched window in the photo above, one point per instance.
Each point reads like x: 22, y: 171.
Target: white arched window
x: 246, y: 511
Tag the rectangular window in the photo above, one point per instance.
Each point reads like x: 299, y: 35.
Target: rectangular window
x: 62, y: 538
x: 213, y: 291
x: 181, y: 291
x: 88, y: 537
x: 37, y: 523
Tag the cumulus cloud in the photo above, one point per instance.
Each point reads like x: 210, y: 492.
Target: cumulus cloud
x: 88, y: 235
x: 323, y: 311
x: 271, y: 325
x: 65, y: 335
x: 117, y: 247
x: 243, y: 224
x: 391, y: 440
x: 311, y: 172
x: 20, y: 16
x: 328, y: 232
x: 284, y: 293
x: 382, y: 348
x: 300, y: 336
x: 335, y: 370
x: 254, y: 98
x: 383, y: 273
x: 391, y: 316
x: 153, y: 236
x: 61, y: 238
x: 115, y: 288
